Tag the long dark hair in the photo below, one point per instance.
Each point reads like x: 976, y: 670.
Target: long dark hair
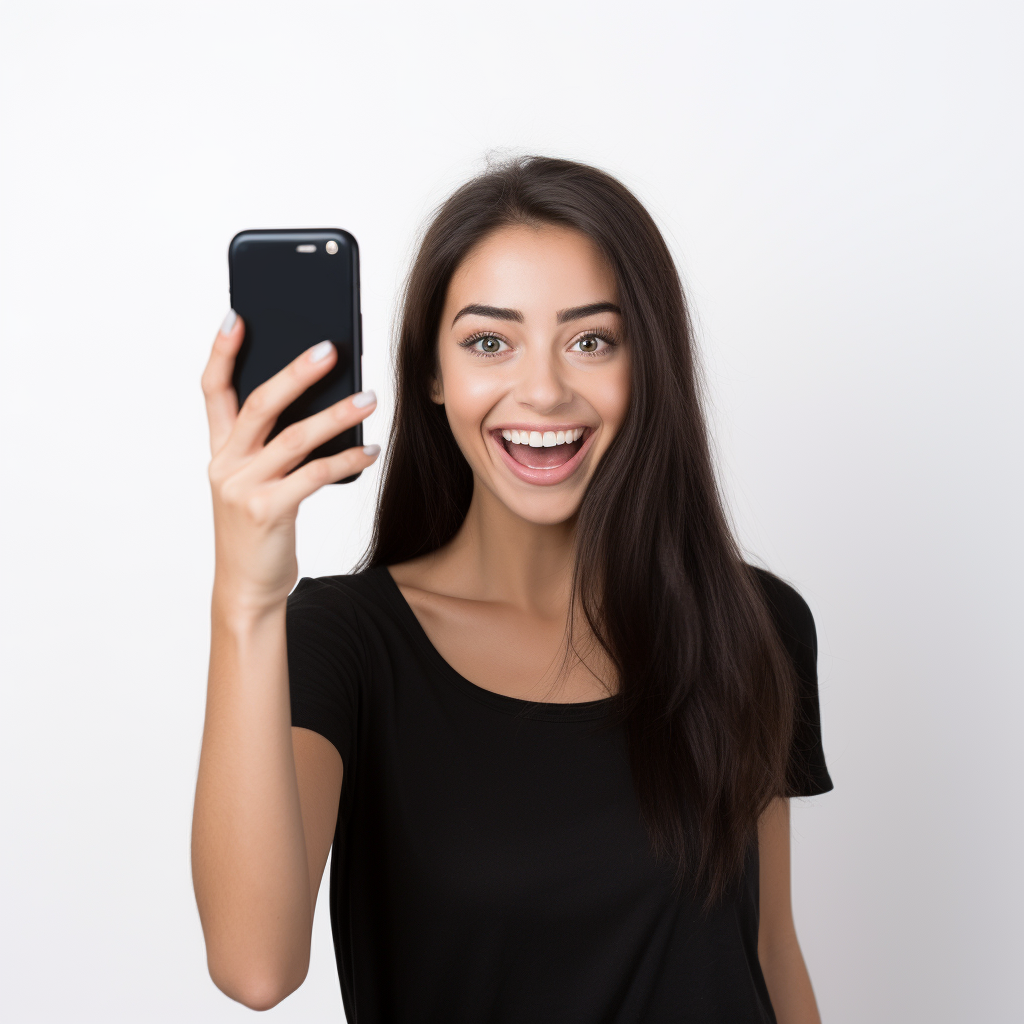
x: 705, y: 686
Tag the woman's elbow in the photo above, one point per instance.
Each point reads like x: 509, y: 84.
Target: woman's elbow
x: 257, y: 986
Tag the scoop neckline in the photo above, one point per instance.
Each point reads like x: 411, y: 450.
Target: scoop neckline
x: 547, y: 711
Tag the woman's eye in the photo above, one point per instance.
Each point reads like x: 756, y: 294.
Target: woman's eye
x: 590, y: 344
x: 488, y: 344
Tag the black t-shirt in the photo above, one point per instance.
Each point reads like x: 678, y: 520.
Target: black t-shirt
x: 489, y: 863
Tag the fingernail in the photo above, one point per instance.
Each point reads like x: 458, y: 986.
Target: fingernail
x: 363, y: 399
x: 229, y: 322
x: 320, y: 352
x: 373, y: 450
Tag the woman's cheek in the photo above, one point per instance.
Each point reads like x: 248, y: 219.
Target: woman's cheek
x: 609, y: 394
x: 466, y: 403
x: 471, y: 396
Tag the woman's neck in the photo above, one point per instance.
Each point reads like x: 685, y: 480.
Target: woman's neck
x: 498, y: 556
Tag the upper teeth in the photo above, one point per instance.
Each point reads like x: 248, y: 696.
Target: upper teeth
x: 547, y: 439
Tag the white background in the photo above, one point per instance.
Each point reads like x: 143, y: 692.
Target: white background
x: 841, y: 184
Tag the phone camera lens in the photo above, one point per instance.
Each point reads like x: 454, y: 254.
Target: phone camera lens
x: 331, y: 247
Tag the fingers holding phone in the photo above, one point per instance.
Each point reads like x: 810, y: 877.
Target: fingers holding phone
x: 262, y: 409
x: 238, y: 438
x: 285, y: 407
x: 293, y: 444
x: 256, y: 488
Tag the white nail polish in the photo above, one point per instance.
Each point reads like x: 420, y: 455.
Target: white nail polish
x: 363, y: 399
x: 320, y: 352
x: 229, y: 322
x: 372, y: 450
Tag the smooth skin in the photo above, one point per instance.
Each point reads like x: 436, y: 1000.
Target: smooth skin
x: 267, y: 794
x: 541, y: 347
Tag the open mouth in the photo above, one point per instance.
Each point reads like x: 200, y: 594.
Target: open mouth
x: 543, y: 457
x: 543, y: 450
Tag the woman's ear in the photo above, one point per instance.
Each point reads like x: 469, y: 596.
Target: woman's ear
x: 436, y: 390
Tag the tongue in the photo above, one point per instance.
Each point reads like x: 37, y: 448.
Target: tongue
x: 542, y: 458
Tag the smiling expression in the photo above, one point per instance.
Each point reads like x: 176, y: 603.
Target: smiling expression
x: 533, y: 370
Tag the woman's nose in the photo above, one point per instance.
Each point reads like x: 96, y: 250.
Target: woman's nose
x: 541, y: 385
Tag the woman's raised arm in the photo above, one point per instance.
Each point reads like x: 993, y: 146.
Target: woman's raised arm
x: 266, y: 795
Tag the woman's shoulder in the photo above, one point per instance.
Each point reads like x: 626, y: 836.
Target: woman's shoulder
x: 807, y: 772
x: 342, y: 601
x: 333, y: 653
x: 342, y: 589
x: 791, y: 613
x: 342, y: 628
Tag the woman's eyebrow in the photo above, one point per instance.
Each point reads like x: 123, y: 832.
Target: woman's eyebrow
x: 563, y: 316
x: 495, y: 312
x: 579, y: 312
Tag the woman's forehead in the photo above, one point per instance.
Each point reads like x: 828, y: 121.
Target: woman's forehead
x: 538, y: 270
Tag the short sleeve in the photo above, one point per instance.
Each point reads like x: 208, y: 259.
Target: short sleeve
x: 807, y: 773
x: 325, y: 662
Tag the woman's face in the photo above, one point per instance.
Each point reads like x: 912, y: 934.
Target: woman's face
x: 533, y: 372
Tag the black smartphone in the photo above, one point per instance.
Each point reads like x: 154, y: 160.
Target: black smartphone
x: 294, y: 288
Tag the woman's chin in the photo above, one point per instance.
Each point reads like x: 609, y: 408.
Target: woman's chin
x: 540, y: 508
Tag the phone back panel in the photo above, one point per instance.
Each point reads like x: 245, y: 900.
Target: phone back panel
x: 292, y: 292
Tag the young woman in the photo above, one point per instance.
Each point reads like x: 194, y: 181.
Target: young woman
x: 551, y: 725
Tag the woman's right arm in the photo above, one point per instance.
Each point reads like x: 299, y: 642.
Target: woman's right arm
x: 266, y: 795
